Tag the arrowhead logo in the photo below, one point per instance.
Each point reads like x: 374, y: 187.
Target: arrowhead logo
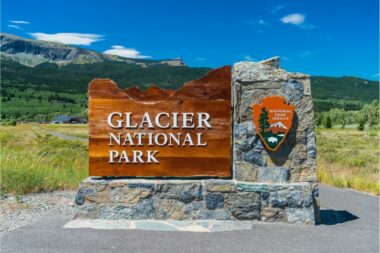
x: 273, y: 119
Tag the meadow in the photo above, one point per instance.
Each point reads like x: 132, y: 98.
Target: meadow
x: 44, y: 157
x: 36, y: 157
x: 349, y: 158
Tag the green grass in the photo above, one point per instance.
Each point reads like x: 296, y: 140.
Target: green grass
x: 32, y: 160
x: 349, y: 158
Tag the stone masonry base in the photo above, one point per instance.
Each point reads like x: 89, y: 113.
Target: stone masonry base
x: 208, y: 199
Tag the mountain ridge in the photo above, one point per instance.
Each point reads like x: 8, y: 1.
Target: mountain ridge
x: 31, y: 53
x: 47, y: 88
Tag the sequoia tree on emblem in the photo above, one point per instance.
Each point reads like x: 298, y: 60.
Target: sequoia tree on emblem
x: 273, y: 120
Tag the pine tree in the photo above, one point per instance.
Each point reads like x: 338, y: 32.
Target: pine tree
x: 362, y: 121
x: 264, y: 124
x: 328, y: 122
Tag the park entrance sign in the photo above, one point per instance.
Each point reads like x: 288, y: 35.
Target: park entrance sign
x: 162, y: 133
x: 237, y: 144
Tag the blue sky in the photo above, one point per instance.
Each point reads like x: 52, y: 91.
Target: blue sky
x: 324, y: 37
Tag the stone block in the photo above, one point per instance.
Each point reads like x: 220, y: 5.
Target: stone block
x: 221, y: 186
x: 273, y: 175
x: 114, y: 212
x: 271, y: 214
x: 98, y: 197
x: 256, y: 72
x: 245, y: 171
x: 185, y: 193
x: 244, y: 205
x: 144, y: 209
x: 219, y: 214
x: 300, y: 215
x: 170, y: 209
x: 306, y: 87
x: 286, y: 196
x: 88, y: 211
x: 214, y: 201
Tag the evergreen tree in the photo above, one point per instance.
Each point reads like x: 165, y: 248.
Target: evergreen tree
x: 362, y: 121
x: 328, y: 122
x: 264, y: 124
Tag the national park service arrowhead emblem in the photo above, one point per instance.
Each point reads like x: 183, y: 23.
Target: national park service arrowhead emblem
x: 273, y: 119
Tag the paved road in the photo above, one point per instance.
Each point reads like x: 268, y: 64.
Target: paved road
x: 350, y: 224
x: 59, y: 134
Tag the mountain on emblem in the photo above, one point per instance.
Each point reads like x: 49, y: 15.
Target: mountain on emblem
x: 273, y: 120
x: 277, y: 127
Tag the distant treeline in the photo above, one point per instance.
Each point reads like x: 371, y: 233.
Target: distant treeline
x: 367, y: 115
x: 40, y: 93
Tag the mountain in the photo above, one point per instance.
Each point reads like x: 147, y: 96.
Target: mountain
x: 278, y: 127
x: 31, y: 53
x: 62, y: 68
x: 348, y: 93
x: 40, y: 79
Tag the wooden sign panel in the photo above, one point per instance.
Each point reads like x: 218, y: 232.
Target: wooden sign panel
x: 161, y: 133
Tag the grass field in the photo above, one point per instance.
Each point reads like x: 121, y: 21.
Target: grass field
x: 42, y: 157
x: 349, y: 158
x: 37, y: 157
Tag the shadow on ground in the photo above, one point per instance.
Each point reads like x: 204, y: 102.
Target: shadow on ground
x: 333, y: 217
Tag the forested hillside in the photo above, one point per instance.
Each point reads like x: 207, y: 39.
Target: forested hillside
x: 40, y: 92
x: 41, y: 79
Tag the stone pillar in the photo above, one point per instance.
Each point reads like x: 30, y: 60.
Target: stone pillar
x: 293, y: 166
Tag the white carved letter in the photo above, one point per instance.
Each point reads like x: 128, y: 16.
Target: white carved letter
x: 109, y: 120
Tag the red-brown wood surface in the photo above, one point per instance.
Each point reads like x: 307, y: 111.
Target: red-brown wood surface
x: 210, y: 94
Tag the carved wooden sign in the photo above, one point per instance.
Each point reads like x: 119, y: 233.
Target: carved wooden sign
x: 273, y: 120
x: 161, y: 133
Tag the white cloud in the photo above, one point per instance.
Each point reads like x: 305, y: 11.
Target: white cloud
x: 249, y: 58
x: 69, y: 38
x: 298, y: 20
x: 19, y: 22
x: 200, y: 59
x: 278, y: 8
x: 15, y: 27
x: 294, y: 19
x: 126, y: 52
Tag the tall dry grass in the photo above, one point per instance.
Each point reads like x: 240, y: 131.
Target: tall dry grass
x: 349, y: 158
x: 34, y: 160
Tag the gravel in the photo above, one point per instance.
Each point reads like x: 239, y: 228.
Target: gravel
x: 28, y: 209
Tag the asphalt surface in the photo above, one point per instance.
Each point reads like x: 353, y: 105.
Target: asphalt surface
x: 350, y: 224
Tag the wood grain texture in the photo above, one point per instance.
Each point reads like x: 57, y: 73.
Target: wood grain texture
x: 211, y: 94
